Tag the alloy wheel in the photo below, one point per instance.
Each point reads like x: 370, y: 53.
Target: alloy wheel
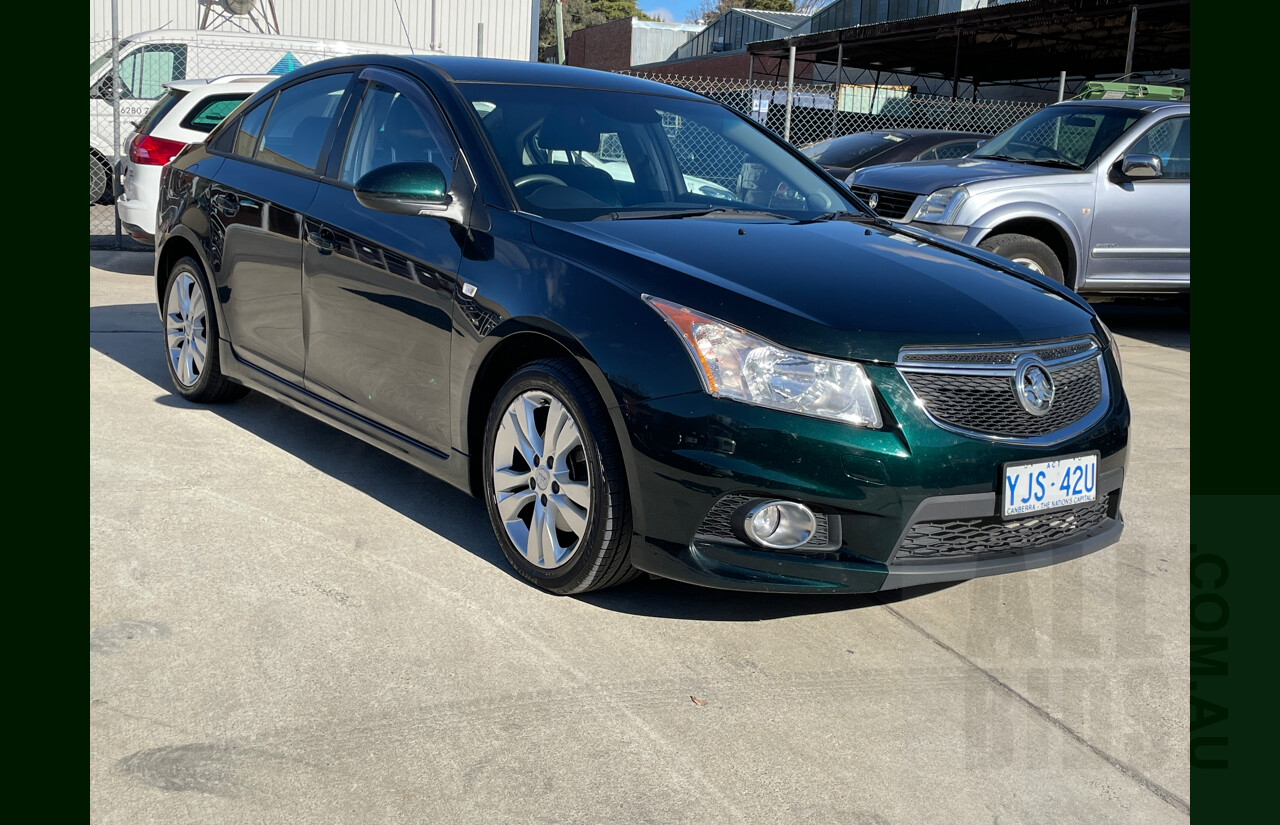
x: 541, y: 481
x: 185, y: 329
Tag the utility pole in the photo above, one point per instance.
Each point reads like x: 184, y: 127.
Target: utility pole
x: 1133, y: 32
x: 115, y: 115
x: 560, y: 30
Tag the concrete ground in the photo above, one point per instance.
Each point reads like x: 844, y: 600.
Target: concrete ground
x: 287, y: 625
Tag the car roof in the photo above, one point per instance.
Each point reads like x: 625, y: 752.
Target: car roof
x: 494, y: 70
x: 1131, y: 103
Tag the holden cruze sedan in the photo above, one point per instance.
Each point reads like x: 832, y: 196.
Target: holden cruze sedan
x: 775, y: 392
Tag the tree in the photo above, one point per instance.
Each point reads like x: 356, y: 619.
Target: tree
x: 615, y: 9
x: 708, y: 10
x: 578, y: 14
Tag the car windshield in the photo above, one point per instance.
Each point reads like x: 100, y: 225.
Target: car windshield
x: 1068, y: 136
x: 851, y: 149
x: 583, y: 154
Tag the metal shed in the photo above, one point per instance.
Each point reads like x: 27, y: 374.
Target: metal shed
x: 494, y: 28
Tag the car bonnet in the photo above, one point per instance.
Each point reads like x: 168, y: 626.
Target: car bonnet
x: 923, y: 177
x: 841, y: 288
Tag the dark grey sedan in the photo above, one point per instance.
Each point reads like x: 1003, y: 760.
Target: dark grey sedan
x: 842, y: 155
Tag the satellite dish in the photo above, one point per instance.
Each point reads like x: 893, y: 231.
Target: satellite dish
x: 239, y: 6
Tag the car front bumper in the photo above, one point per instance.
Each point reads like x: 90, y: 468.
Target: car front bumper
x: 877, y: 489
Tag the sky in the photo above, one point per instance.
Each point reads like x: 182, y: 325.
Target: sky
x: 673, y: 11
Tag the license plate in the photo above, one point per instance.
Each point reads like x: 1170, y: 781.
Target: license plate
x: 1049, y: 485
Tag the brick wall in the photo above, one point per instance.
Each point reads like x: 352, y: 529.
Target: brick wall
x: 606, y: 47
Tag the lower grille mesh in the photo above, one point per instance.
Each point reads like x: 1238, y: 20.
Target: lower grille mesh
x: 989, y: 536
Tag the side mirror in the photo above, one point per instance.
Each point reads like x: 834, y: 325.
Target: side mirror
x: 1141, y: 166
x: 411, y: 188
x: 104, y: 88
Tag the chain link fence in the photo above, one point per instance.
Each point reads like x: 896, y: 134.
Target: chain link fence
x: 120, y: 100
x: 819, y: 112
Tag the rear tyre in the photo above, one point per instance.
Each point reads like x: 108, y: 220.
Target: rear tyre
x: 553, y: 481
x: 191, y: 337
x: 100, y: 188
x: 1028, y: 251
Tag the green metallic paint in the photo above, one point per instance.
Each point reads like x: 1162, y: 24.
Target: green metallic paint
x: 401, y: 187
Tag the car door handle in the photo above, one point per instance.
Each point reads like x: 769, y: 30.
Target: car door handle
x: 323, y: 240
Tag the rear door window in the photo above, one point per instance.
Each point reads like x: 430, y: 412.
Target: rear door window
x: 299, y: 122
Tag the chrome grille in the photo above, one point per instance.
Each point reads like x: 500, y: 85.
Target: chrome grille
x: 892, y: 204
x: 973, y: 390
x: 987, y: 403
x: 991, y: 536
x: 1051, y: 352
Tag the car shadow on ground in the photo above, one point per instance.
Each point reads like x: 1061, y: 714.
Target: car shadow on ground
x: 130, y: 336
x: 1162, y: 322
x: 666, y: 599
x: 121, y: 261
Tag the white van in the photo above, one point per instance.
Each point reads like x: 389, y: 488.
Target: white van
x: 149, y: 60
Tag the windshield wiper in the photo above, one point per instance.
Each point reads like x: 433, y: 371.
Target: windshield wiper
x: 1059, y: 162
x: 855, y: 217
x: 1009, y: 158
x: 700, y: 212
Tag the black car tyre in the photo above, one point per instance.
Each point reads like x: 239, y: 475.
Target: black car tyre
x: 191, y: 337
x: 100, y: 188
x: 554, y: 483
x: 1026, y: 250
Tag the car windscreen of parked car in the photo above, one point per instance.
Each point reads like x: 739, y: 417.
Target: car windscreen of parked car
x: 1069, y: 136
x: 850, y: 150
x: 662, y: 142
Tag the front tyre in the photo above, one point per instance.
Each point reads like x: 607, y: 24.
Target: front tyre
x: 191, y: 337
x: 1032, y: 253
x: 553, y: 481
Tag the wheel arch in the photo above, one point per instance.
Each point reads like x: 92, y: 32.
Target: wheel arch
x: 182, y: 243
x: 517, y: 342
x: 1051, y: 229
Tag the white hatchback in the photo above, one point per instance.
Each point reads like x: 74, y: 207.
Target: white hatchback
x: 185, y: 114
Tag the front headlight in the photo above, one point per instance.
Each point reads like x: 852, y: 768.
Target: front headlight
x: 1113, y: 346
x: 733, y: 363
x: 942, y: 206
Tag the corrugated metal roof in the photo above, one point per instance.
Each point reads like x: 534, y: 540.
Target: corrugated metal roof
x: 786, y: 19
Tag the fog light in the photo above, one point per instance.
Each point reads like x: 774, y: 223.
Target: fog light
x: 779, y: 525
